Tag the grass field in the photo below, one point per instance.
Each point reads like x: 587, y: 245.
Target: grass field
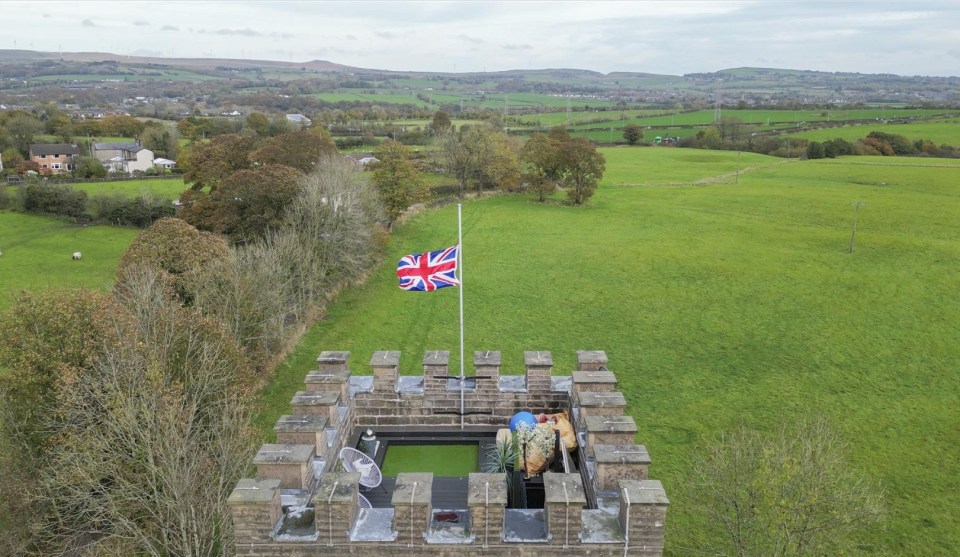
x: 170, y: 188
x: 939, y: 131
x: 37, y: 254
x: 718, y: 304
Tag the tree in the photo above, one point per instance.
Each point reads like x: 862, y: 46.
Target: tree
x: 441, y: 123
x: 300, y: 150
x: 176, y: 249
x: 207, y: 164
x: 89, y: 167
x: 541, y: 170
x: 397, y: 180
x: 245, y: 204
x: 154, y: 434
x: 815, y: 150
x: 258, y: 122
x: 632, y: 133
x: 162, y: 141
x: 581, y: 167
x: 791, y: 493
x: 459, y: 157
x: 23, y: 127
x: 499, y: 163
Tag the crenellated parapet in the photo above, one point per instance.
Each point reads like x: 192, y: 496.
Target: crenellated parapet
x: 302, y: 502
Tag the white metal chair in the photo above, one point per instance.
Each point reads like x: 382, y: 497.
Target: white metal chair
x: 353, y: 460
x: 364, y: 502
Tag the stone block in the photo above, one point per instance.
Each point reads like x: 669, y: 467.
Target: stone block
x: 336, y: 503
x: 302, y: 430
x: 609, y: 430
x: 564, y: 501
x: 620, y: 462
x: 386, y: 370
x: 332, y: 380
x: 333, y: 361
x: 291, y: 464
x: 591, y: 360
x: 412, y: 509
x: 643, y: 514
x: 254, y: 507
x: 317, y: 403
x: 592, y: 403
x: 602, y: 381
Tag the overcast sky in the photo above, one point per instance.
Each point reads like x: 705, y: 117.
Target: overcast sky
x: 667, y: 37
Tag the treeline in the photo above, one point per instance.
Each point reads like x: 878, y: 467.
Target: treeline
x: 732, y: 135
x: 125, y: 417
x: 62, y: 200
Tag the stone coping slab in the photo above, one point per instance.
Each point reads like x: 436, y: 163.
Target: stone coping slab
x: 272, y: 453
x: 564, y: 488
x: 413, y: 488
x: 644, y: 492
x: 539, y: 358
x: 598, y: 357
x: 487, y: 358
x: 327, y: 377
x: 436, y: 358
x: 385, y: 358
x: 304, y: 423
x: 589, y: 377
x: 333, y: 357
x: 487, y: 489
x: 337, y: 487
x: 609, y: 399
x: 623, y: 454
x: 610, y: 424
x: 315, y: 398
x: 254, y: 491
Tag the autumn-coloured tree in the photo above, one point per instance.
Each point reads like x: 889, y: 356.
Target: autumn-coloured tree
x: 300, y: 150
x: 207, y: 164
x: 541, y: 165
x: 581, y: 168
x: 245, y: 204
x: 397, y: 179
x: 177, y: 250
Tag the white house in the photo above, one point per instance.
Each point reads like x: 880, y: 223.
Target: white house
x: 164, y: 164
x: 124, y: 157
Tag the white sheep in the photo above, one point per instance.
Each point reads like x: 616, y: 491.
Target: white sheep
x: 76, y: 256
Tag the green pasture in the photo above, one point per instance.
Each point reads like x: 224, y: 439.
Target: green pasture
x: 380, y: 97
x: 170, y: 188
x: 939, y: 131
x: 761, y: 118
x: 718, y: 304
x: 37, y: 254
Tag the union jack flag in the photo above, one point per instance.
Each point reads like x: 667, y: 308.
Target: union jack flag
x: 429, y: 271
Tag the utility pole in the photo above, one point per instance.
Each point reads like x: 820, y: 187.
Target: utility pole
x: 856, y: 213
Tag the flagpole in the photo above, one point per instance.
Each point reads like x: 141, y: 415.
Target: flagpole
x: 460, y: 255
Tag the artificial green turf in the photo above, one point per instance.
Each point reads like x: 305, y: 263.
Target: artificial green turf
x: 447, y: 460
x: 718, y: 304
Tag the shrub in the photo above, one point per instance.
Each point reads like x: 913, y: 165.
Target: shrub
x: 55, y: 199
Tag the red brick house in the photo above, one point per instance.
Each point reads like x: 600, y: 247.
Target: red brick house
x: 55, y: 158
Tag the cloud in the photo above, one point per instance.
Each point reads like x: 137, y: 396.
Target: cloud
x: 352, y: 38
x: 385, y: 35
x: 141, y: 23
x: 469, y: 39
x: 523, y: 46
x: 170, y: 28
x: 148, y: 53
x: 246, y: 32
x: 88, y: 23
